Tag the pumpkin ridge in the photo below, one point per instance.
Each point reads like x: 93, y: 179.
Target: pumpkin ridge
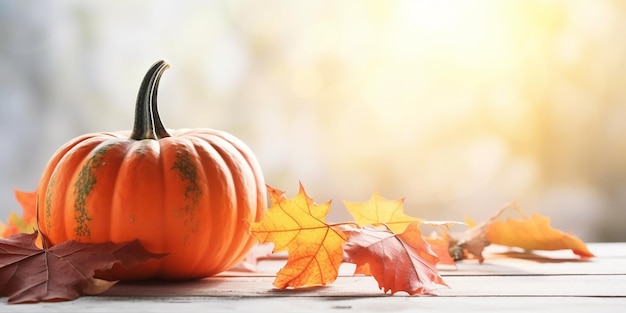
x: 229, y: 154
x: 82, y: 188
x: 128, y: 149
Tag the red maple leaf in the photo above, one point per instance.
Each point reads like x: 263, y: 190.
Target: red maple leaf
x: 403, y: 262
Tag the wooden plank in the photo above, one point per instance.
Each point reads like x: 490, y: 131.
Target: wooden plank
x: 483, y: 286
x: 555, y: 281
x: 307, y: 304
x: 522, y: 265
x: 610, y: 259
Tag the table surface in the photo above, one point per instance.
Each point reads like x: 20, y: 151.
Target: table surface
x: 509, y: 280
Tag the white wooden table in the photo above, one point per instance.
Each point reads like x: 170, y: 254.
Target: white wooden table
x: 545, y: 281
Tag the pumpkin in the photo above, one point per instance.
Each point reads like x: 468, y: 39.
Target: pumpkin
x: 190, y: 193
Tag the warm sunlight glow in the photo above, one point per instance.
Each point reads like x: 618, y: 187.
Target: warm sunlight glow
x: 458, y: 105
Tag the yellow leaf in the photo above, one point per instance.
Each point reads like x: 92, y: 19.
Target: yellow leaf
x: 534, y: 233
x: 298, y: 225
x: 378, y: 210
x: 275, y: 195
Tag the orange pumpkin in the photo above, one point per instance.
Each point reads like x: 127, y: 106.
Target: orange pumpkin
x: 191, y: 193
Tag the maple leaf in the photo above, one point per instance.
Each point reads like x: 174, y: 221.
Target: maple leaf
x: 403, y: 262
x: 62, y: 272
x: 378, y: 210
x: 298, y: 225
x: 27, y: 223
x: 275, y: 195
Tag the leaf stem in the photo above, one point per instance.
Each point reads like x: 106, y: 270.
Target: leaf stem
x: 353, y: 224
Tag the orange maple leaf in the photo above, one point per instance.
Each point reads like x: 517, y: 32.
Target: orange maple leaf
x: 441, y: 246
x: 298, y: 226
x: 378, y: 210
x: 403, y: 262
x: 27, y: 223
x: 534, y: 233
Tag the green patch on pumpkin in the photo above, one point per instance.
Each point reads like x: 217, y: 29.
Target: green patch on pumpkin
x: 188, y: 172
x: 48, y: 199
x: 83, y: 187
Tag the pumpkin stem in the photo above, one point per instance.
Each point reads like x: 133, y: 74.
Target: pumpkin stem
x: 148, y: 123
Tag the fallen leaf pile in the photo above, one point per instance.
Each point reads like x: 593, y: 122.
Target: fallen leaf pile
x: 399, y: 262
x: 386, y: 243
x: 382, y: 241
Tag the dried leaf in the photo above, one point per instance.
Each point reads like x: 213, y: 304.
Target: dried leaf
x: 534, y: 233
x: 403, y: 262
x: 298, y: 225
x: 62, y: 272
x: 378, y: 210
x: 472, y: 242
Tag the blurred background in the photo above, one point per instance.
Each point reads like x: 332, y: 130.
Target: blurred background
x: 458, y: 106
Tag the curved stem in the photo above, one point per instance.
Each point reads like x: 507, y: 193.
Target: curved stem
x: 148, y: 124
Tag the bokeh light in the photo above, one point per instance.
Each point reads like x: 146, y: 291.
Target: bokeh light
x: 459, y: 106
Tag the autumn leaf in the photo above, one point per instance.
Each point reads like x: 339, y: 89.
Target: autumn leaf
x: 534, y: 233
x: 62, y: 272
x: 28, y: 201
x: 275, y: 195
x: 440, y: 244
x: 27, y: 223
x: 17, y: 224
x: 298, y: 225
x: 403, y: 262
x: 472, y: 242
x: 378, y: 210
